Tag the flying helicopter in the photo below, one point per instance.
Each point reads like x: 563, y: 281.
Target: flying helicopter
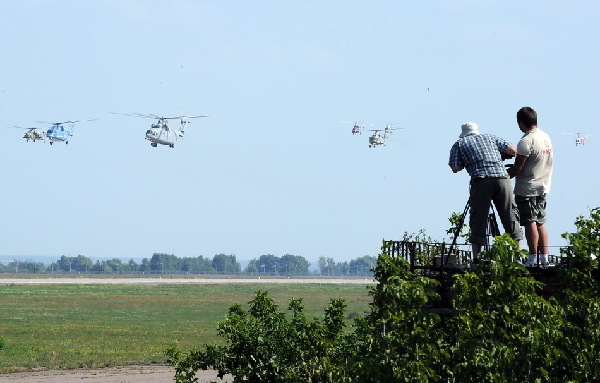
x: 376, y: 138
x: 58, y: 133
x: 579, y: 140
x: 388, y: 129
x: 379, y: 139
x: 356, y: 128
x: 160, y: 132
x: 33, y: 134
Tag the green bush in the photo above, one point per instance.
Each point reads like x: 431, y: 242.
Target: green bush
x: 264, y: 345
x: 501, y: 329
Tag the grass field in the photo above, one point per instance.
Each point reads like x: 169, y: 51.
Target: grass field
x: 75, y: 326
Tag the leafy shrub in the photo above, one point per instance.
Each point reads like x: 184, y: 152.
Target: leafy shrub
x: 501, y: 329
x: 265, y: 346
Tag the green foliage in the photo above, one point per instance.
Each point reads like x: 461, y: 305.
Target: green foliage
x: 580, y: 301
x: 162, y: 263
x: 399, y: 340
x: 585, y: 244
x: 263, y: 345
x: 457, y: 225
x: 225, y: 264
x: 502, y: 327
x: 272, y: 265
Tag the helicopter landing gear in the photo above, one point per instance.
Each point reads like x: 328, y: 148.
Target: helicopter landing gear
x: 154, y: 144
x: 51, y: 142
x: 171, y: 146
x: 67, y: 142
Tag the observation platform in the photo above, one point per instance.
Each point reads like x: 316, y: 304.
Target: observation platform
x: 442, y: 262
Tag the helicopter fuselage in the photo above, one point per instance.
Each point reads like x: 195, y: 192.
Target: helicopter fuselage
x: 162, y: 134
x: 34, y: 134
x: 58, y: 133
x: 376, y: 139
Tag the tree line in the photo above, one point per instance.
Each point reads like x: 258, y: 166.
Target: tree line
x: 224, y: 264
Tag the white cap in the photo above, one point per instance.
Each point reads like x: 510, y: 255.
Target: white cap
x: 469, y: 128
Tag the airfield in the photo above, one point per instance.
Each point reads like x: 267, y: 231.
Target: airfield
x: 149, y: 373
x: 181, y: 280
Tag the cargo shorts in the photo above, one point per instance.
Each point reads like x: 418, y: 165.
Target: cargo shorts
x: 531, y: 208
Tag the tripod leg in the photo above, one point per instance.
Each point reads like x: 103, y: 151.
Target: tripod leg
x: 492, y: 227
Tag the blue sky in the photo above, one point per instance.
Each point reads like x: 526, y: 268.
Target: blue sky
x: 274, y: 170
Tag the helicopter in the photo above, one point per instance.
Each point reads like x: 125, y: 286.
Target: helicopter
x: 58, y: 133
x: 379, y: 139
x: 160, y: 132
x: 376, y: 138
x: 33, y: 134
x: 579, y: 140
x: 388, y: 129
x: 356, y: 128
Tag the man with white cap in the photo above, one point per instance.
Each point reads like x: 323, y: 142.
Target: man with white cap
x: 481, y: 155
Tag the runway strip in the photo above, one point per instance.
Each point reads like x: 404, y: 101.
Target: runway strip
x: 177, y: 280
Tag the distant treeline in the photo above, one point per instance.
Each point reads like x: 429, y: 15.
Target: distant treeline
x: 161, y: 263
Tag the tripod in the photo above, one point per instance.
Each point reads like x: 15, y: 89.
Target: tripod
x: 491, y: 230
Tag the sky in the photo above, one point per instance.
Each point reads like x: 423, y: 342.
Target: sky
x: 274, y: 170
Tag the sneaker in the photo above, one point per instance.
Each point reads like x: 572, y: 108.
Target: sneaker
x: 530, y: 264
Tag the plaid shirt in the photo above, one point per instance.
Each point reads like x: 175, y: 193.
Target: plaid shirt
x: 480, y: 155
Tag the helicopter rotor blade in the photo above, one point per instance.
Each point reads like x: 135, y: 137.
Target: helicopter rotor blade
x: 180, y: 117
x: 133, y: 115
x: 357, y: 123
x: 192, y: 116
x: 140, y: 115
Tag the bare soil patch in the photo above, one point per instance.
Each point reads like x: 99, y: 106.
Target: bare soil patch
x: 126, y: 374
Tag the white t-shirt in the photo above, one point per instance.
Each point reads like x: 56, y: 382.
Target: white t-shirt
x: 536, y: 176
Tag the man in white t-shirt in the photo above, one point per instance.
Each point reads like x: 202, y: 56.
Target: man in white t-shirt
x: 532, y: 171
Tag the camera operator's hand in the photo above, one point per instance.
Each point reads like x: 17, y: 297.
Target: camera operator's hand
x: 506, y: 156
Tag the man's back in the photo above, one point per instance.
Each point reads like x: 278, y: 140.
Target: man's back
x: 480, y: 155
x: 536, y: 175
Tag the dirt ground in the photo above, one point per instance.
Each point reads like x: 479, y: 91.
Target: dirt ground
x: 127, y: 374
